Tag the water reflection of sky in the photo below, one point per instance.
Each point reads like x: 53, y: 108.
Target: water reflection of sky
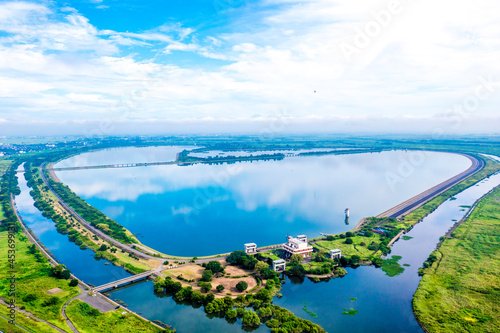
x: 239, y: 153
x: 80, y: 262
x: 297, y: 194
x: 124, y: 155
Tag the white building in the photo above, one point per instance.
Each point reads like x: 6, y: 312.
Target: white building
x: 250, y: 248
x: 279, y: 265
x: 298, y: 245
x: 335, y: 254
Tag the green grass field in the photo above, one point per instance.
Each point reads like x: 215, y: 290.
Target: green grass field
x: 352, y: 249
x: 461, y: 291
x: 23, y: 321
x: 89, y: 320
x: 32, y: 277
x: 4, y: 164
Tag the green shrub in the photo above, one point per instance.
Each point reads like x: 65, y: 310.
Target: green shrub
x: 241, y: 286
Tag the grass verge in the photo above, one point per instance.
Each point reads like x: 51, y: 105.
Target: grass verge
x: 460, y: 292
x: 87, y: 319
x: 33, y: 278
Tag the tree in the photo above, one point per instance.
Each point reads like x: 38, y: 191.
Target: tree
x: 265, y: 312
x: 220, y: 288
x: 264, y: 295
x: 297, y: 270
x: 207, y: 276
x: 355, y: 259
x: 251, y: 319
x: 29, y: 298
x: 241, y: 286
x: 60, y: 272
x: 273, y: 323
x: 214, y: 266
x: 296, y: 258
x: 205, y: 286
x: 51, y: 301
x: 73, y: 283
x: 65, y: 274
x: 348, y: 241
x: 349, y: 234
x: 231, y: 314
x: 197, y: 297
x: 235, y: 257
x: 261, y: 267
x: 103, y: 247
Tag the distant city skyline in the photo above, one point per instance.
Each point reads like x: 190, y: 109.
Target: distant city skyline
x: 270, y: 67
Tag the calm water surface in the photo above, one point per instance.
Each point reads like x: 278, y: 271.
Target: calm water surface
x: 208, y: 209
x: 383, y: 303
x: 79, y: 262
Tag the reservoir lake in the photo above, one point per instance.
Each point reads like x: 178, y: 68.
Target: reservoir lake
x: 203, y: 209
x: 383, y: 303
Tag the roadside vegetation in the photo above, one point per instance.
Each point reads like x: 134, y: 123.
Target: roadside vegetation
x: 460, y: 288
x: 34, y: 278
x: 91, y: 214
x: 90, y: 320
x: 42, y: 289
x: 48, y: 204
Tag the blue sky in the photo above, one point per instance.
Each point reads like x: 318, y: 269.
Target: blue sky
x: 272, y: 67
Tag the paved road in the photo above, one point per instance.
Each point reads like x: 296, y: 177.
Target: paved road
x: 418, y: 200
x: 89, y: 227
x: 29, y: 314
x: 68, y: 321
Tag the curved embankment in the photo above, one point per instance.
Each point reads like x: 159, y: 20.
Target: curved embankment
x: 94, y: 230
x: 395, y: 212
x: 418, y: 200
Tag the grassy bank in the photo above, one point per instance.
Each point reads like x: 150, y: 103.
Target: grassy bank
x: 50, y: 207
x: 460, y: 291
x: 87, y: 319
x: 24, y: 321
x: 364, y: 253
x: 33, y: 280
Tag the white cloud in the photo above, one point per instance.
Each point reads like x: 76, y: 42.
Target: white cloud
x: 178, y: 46
x: 428, y: 58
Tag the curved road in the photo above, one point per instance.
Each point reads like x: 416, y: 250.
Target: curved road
x: 418, y: 200
x: 94, y: 230
x: 395, y: 212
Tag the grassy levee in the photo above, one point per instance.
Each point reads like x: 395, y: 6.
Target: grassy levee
x: 89, y: 320
x: 50, y: 207
x: 417, y: 215
x: 24, y: 321
x: 460, y: 292
x: 412, y: 218
x: 33, y: 278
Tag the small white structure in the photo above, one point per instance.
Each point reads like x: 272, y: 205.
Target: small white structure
x: 250, y: 248
x: 279, y: 265
x: 335, y: 254
x: 298, y: 245
x: 347, y: 212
